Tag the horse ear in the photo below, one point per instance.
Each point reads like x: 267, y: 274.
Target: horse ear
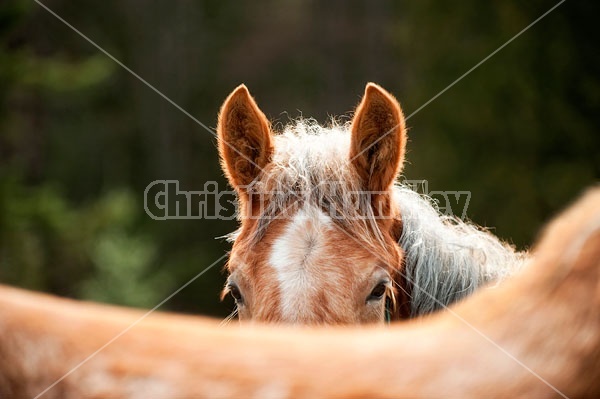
x: 378, y: 139
x: 244, y: 136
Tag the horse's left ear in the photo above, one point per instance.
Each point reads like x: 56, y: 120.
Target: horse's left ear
x: 378, y: 139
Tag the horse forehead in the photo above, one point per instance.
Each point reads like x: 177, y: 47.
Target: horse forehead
x: 301, y: 241
x: 312, y: 241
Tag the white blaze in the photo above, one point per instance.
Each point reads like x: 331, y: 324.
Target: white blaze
x: 293, y: 256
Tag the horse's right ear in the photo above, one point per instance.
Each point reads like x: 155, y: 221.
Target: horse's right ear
x: 244, y: 135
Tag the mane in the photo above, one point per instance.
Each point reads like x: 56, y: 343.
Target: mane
x: 446, y: 258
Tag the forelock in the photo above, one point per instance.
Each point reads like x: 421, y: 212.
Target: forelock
x: 311, y: 166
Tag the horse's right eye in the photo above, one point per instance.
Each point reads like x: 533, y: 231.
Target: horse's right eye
x: 235, y: 293
x: 378, y: 292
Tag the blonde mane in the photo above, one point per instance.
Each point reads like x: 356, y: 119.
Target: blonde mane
x: 447, y: 259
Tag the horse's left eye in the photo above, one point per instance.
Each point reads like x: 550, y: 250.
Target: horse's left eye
x: 235, y: 293
x: 378, y: 292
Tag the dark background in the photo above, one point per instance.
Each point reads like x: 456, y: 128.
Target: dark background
x: 81, y: 138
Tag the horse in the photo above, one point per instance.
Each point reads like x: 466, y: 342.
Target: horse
x: 539, y: 336
x: 326, y: 233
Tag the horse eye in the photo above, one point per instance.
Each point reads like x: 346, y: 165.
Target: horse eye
x: 378, y: 292
x: 235, y: 293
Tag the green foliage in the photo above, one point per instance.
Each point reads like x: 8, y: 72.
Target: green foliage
x: 56, y: 74
x: 49, y: 244
x: 122, y: 262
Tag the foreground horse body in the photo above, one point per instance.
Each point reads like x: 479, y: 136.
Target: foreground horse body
x: 326, y: 237
x: 536, y: 335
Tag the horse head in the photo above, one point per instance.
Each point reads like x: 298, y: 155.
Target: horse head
x: 318, y: 235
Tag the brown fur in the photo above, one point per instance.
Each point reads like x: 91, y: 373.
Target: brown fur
x: 249, y: 267
x: 546, y: 318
